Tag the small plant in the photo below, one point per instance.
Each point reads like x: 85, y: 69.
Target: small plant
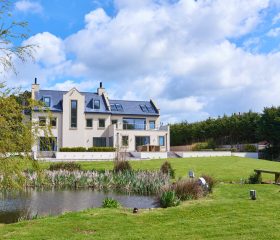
x: 121, y: 166
x: 110, y: 203
x: 166, y: 168
x: 255, y: 178
x: 188, y: 189
x: 69, y: 166
x: 210, y: 181
x: 169, y: 199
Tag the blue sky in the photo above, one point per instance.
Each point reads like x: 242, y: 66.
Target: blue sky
x: 196, y: 59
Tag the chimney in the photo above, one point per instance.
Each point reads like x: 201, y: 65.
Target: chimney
x: 100, y: 90
x: 35, y: 88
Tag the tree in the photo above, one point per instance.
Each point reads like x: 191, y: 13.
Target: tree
x: 17, y: 135
x: 11, y: 32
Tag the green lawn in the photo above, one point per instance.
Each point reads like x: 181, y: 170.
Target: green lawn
x: 226, y: 214
x: 223, y: 168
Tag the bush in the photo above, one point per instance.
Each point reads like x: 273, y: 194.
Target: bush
x: 121, y: 166
x: 166, y: 168
x: 188, y: 189
x: 210, y: 181
x: 255, y: 178
x: 110, y: 203
x: 200, y: 146
x: 101, y: 149
x: 69, y: 166
x: 169, y: 199
x: 249, y: 148
x: 72, y: 149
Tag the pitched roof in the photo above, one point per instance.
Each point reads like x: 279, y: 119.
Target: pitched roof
x: 127, y: 107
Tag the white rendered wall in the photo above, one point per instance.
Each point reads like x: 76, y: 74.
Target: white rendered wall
x: 85, y: 155
x: 149, y: 155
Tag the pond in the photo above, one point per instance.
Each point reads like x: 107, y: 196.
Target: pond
x: 26, y: 205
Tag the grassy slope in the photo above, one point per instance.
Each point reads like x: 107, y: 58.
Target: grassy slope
x: 226, y: 214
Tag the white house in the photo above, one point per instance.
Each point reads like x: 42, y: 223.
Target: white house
x: 86, y: 119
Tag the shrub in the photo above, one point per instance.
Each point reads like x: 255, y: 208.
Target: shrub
x: 204, y: 146
x: 166, y: 168
x: 110, y: 203
x: 72, y: 149
x: 69, y: 166
x: 249, y: 148
x: 120, y: 166
x: 188, y: 189
x: 255, y: 178
x: 169, y: 199
x: 101, y: 149
x: 210, y: 181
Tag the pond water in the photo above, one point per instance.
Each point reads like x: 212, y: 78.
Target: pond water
x: 25, y: 205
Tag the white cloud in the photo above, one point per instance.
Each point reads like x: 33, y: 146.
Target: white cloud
x: 178, y: 54
x: 49, y: 48
x: 28, y: 6
x: 275, y: 32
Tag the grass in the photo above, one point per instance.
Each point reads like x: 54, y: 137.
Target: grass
x: 226, y: 214
x: 222, y: 168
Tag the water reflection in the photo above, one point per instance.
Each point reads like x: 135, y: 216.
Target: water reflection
x: 15, y: 206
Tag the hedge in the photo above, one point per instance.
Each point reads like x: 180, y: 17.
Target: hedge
x: 91, y: 149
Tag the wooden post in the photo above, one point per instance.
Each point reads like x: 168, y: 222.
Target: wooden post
x: 277, y: 178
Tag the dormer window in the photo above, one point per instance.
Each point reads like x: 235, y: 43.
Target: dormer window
x: 47, y: 101
x: 96, y: 104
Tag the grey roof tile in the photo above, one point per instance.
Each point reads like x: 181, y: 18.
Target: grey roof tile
x: 129, y: 107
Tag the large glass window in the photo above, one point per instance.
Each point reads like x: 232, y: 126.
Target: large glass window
x: 101, y: 123
x: 99, y: 142
x: 134, y: 123
x: 47, y: 101
x: 74, y: 108
x: 142, y: 140
x: 152, y: 124
x: 161, y: 141
x: 96, y: 104
x: 48, y: 144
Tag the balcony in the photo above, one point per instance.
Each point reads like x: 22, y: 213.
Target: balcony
x: 139, y: 127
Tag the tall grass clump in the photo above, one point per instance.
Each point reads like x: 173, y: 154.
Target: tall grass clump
x: 110, y: 203
x: 169, y: 199
x: 69, y: 166
x: 187, y: 189
x: 121, y: 166
x: 255, y: 178
x: 166, y: 168
x: 211, y: 182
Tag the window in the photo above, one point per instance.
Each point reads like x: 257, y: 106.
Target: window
x: 152, y: 124
x: 47, y: 144
x: 42, y: 121
x: 47, y: 101
x: 147, y: 108
x: 116, y: 107
x: 53, y: 122
x: 140, y: 141
x: 74, y: 106
x: 96, y: 104
x: 99, y: 142
x: 114, y: 121
x: 161, y: 141
x: 89, y: 123
x: 101, y: 123
x: 125, y: 141
x: 134, y: 123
